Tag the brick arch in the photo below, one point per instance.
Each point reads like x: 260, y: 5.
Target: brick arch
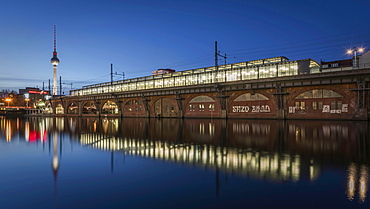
x: 187, y: 100
x: 88, y: 110
x: 131, y: 99
x: 164, y: 107
x: 72, y: 109
x: 234, y: 97
x: 337, y: 90
x: 49, y: 107
x: 59, y: 108
x: 55, y: 104
x: 252, y: 105
x: 202, y: 105
x: 113, y: 110
x: 325, y: 107
x: 133, y: 107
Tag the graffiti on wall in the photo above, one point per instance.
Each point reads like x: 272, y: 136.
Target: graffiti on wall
x: 253, y: 109
x: 325, y: 109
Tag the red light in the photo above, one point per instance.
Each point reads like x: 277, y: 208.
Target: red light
x: 33, y: 136
x: 38, y: 92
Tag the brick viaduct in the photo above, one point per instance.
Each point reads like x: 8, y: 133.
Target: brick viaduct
x: 338, y: 95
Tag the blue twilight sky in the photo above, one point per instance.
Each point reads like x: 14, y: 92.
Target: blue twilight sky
x: 140, y: 36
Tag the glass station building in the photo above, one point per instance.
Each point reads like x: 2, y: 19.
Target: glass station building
x: 242, y: 71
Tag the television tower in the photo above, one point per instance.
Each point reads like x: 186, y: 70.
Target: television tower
x: 55, y: 62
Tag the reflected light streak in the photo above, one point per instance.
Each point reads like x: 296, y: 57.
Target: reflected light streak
x: 363, y: 182
x: 357, y: 179
x: 8, y: 131
x: 27, y: 131
x: 271, y: 166
x: 352, y: 173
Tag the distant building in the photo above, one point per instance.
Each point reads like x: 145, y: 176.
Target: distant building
x: 337, y: 65
x: 33, y: 90
x: 162, y: 71
x: 33, y: 96
x: 363, y: 61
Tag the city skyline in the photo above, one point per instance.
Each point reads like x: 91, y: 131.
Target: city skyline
x: 138, y: 37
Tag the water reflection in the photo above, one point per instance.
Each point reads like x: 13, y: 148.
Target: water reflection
x: 357, y: 181
x: 55, y: 163
x: 278, y: 151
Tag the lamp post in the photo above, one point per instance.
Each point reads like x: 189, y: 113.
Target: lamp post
x: 8, y: 100
x: 27, y: 100
x: 355, y: 50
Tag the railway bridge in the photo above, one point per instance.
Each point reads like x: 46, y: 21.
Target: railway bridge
x: 273, y: 88
x: 332, y: 95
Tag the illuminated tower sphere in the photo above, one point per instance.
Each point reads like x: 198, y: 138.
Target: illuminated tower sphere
x: 55, y: 61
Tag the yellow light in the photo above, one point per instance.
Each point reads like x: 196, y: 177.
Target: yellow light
x: 349, y: 51
x: 360, y: 49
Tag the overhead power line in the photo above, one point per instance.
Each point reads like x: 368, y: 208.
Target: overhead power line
x: 319, y: 48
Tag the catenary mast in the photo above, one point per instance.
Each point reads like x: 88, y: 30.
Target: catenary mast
x: 55, y: 61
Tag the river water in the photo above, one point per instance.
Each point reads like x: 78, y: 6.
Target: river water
x: 183, y: 163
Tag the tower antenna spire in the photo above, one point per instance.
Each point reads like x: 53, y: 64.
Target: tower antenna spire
x: 55, y: 38
x: 55, y: 61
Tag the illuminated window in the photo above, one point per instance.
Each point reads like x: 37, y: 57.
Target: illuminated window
x: 149, y: 84
x: 132, y: 86
x: 191, y: 107
x: 201, y: 107
x: 249, y: 73
x: 300, y: 105
x: 141, y: 85
x: 211, y: 107
x: 232, y: 75
x: 158, y: 83
x: 314, y: 105
x: 180, y: 81
x: 219, y: 76
x: 297, y: 105
x: 303, y: 105
x: 318, y: 93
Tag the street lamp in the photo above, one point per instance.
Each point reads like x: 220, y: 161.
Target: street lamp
x: 27, y: 100
x: 355, y: 50
x: 8, y: 100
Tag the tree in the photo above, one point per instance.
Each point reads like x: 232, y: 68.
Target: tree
x: 6, y: 92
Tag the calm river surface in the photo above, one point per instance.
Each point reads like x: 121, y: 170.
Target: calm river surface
x: 191, y: 163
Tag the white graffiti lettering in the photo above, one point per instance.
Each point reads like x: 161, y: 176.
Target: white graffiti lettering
x: 325, y: 108
x: 262, y: 108
x: 345, y: 108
